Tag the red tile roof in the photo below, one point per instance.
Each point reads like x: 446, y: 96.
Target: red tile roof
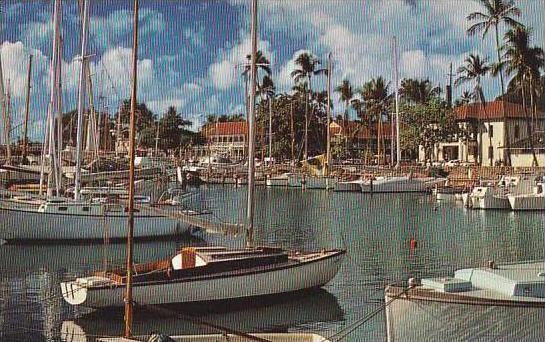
x: 492, y: 110
x: 225, y: 128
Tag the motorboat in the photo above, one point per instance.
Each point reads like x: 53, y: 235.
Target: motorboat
x: 531, y: 201
x: 496, y: 196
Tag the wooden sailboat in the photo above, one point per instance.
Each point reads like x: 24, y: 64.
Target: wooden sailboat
x: 212, y: 273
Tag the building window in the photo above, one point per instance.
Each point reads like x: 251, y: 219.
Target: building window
x: 491, y: 130
x: 517, y: 132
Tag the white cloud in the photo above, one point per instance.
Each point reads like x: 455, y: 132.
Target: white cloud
x: 225, y: 72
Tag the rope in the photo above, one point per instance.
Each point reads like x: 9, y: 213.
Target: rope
x: 188, y: 318
x: 343, y: 333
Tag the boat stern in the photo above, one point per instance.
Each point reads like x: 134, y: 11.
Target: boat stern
x: 76, y: 292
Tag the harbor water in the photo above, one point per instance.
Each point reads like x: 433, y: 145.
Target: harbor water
x: 388, y: 237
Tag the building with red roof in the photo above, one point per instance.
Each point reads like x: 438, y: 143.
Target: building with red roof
x: 490, y: 125
x: 226, y: 138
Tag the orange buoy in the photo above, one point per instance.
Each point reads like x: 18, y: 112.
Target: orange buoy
x: 413, y: 244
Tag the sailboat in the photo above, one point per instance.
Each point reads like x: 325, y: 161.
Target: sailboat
x: 58, y: 218
x: 207, y: 274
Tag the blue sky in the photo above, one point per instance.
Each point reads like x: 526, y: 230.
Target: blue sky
x: 190, y: 50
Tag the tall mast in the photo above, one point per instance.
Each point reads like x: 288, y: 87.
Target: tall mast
x: 81, y: 99
x: 251, y: 131
x: 128, y: 294
x: 54, y: 79
x: 328, y: 139
x: 7, y: 123
x: 396, y: 80
x: 27, y: 108
x: 4, y: 110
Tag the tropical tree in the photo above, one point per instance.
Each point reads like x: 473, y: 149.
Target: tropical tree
x: 418, y: 91
x: 524, y: 63
x: 308, y: 66
x: 375, y: 95
x: 267, y: 91
x: 173, y: 132
x: 346, y: 95
x: 495, y: 13
x: 474, y: 69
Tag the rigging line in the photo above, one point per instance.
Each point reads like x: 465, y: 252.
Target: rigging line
x: 343, y: 333
x: 194, y: 320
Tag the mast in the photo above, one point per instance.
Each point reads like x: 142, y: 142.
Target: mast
x: 81, y: 99
x: 3, y: 104
x: 251, y: 131
x: 7, y: 123
x: 27, y: 108
x: 128, y: 294
x: 270, y: 132
x: 328, y: 139
x: 396, y: 80
x: 54, y: 79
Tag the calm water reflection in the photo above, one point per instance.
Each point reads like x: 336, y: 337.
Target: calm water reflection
x: 375, y: 229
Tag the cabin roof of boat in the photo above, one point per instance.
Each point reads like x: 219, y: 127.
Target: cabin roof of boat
x: 513, y: 273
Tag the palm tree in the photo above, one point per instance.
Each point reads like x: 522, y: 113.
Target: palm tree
x: 466, y: 97
x: 308, y: 67
x: 375, y: 94
x: 474, y: 68
x: 347, y: 94
x: 418, y: 91
x: 496, y: 12
x: 525, y: 63
x: 267, y: 91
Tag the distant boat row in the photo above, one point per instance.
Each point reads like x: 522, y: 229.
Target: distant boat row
x: 518, y: 192
x: 393, y: 184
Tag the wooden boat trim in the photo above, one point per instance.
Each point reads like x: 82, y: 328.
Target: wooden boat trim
x: 226, y: 274
x: 421, y: 294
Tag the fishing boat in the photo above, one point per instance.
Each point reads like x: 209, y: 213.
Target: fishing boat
x: 531, y: 201
x: 504, y: 301
x: 496, y: 196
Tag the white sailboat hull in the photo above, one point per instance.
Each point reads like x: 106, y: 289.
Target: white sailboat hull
x: 303, y: 276
x: 351, y: 186
x: 277, y: 181
x: 20, y: 224
x: 395, y: 184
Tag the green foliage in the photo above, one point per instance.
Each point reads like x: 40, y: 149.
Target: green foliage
x: 172, y: 130
x: 427, y: 124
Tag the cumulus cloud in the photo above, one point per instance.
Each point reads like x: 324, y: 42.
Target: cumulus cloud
x: 225, y: 72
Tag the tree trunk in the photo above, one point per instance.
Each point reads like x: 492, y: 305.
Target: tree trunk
x: 506, y: 137
x: 528, y: 124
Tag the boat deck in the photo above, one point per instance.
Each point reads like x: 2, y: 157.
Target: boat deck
x: 518, y: 284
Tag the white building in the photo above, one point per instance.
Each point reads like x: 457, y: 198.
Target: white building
x: 488, y: 127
